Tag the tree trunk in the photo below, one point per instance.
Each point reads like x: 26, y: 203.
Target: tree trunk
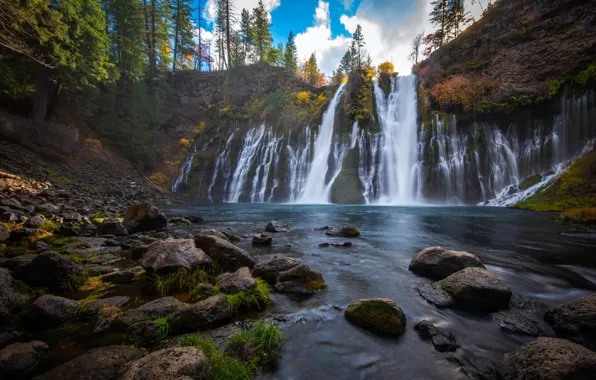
x: 40, y: 105
x: 228, y: 33
x: 177, y: 31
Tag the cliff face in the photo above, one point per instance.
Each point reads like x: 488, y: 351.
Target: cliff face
x: 520, y: 45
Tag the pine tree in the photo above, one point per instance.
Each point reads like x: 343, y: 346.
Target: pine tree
x: 183, y: 43
x: 439, y: 18
x: 261, y: 33
x: 245, y: 32
x: 220, y: 31
x: 359, y: 43
x: 290, y: 59
x: 127, y: 34
x: 457, y: 17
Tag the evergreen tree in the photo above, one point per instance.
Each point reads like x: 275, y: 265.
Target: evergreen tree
x: 183, y: 43
x: 358, y: 43
x: 245, y: 32
x: 128, y: 36
x: 290, y: 59
x: 439, y: 18
x: 261, y: 36
x: 457, y: 17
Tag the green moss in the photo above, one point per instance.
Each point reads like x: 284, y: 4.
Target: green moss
x: 377, y: 315
x: 533, y: 180
x: 258, y: 297
x: 55, y: 176
x: 586, y: 76
x: 58, y: 243
x: 580, y: 215
x: 316, y: 285
x: 183, y: 280
x: 75, y: 281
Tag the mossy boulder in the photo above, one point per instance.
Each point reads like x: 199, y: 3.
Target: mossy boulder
x: 377, y: 314
x: 345, y: 230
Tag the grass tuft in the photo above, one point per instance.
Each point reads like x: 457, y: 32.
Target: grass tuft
x: 266, y: 337
x: 258, y: 297
x: 163, y: 327
x: 183, y: 280
x: 75, y: 282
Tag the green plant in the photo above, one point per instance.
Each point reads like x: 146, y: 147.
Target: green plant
x: 266, y: 337
x: 554, y: 85
x: 75, y: 281
x: 182, y: 280
x: 587, y: 75
x: 163, y: 327
x: 258, y: 297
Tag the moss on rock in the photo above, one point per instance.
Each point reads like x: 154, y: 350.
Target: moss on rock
x: 377, y: 314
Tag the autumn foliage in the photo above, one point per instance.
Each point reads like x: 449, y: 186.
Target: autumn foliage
x: 467, y: 91
x: 386, y: 68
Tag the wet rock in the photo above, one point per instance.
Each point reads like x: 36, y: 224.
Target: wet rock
x: 514, y: 322
x: 207, y: 313
x: 72, y: 217
x: 344, y: 244
x: 195, y: 219
x: 144, y: 333
x: 69, y: 231
x: 8, y: 217
x: 231, y: 237
x: 49, y: 269
x: 274, y: 226
x: 145, y: 217
x: 377, y: 314
x: 261, y: 239
x: 49, y: 310
x: 180, y: 221
x: 93, y: 307
x: 437, y: 263
x: 433, y: 294
x: 105, y: 317
x: 7, y: 336
x: 40, y: 246
x: 35, y: 221
x: 300, y: 279
x: 322, y: 228
x: 104, y: 363
x: 549, y: 359
x: 345, y: 230
x: 477, y: 289
x: 111, y: 227
x: 170, y: 255
x: 575, y: 320
x: 9, y: 295
x: 213, y: 232
x: 171, y: 363
x: 124, y: 276
x: 269, y: 269
x: 202, y: 291
x: 236, y: 282
x: 151, y: 310
x: 4, y: 232
x: 139, y: 251
x: 441, y: 340
x: 20, y: 359
x: 98, y: 270
x: 228, y: 257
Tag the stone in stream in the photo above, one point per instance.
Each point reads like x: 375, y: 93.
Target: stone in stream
x: 49, y: 269
x: 261, y: 239
x: 168, y: 256
x: 145, y: 217
x: 226, y: 255
x: 437, y: 263
x: 269, y: 269
x: 111, y: 227
x: 103, y: 363
x: 49, y: 310
x: 183, y: 363
x: 344, y: 244
x: 380, y: 315
x: 274, y: 226
x: 514, y: 322
x: 300, y: 279
x: 214, y: 232
x: 575, y: 320
x: 441, y: 340
x: 549, y: 359
x: 20, y: 359
x: 345, y: 230
x: 210, y: 312
x: 236, y: 282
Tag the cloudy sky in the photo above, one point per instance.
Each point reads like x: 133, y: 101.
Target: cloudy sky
x: 325, y: 27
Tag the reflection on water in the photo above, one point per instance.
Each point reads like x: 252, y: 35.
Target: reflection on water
x: 524, y: 249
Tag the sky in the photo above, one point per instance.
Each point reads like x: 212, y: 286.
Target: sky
x: 325, y: 27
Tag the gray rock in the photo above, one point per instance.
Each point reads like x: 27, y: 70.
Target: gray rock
x: 93, y: 307
x: 9, y: 295
x: 98, y: 270
x: 239, y: 281
x: 300, y: 279
x: 549, y: 359
x: 575, y: 320
x: 377, y: 314
x: 111, y: 227
x: 437, y: 263
x: 433, y: 294
x: 8, y: 217
x: 48, y: 269
x: 228, y: 257
x: 13, y: 262
x: 124, y: 276
x: 261, y: 239
x: 442, y: 341
x: 138, y: 252
x: 345, y: 230
x: 514, y: 322
x: 477, y: 289
x: 145, y: 217
x: 170, y: 255
x: 151, y: 310
x: 274, y: 226
x: 104, y: 318
x: 103, y: 363
x: 207, y: 313
x: 213, y: 232
x: 24, y: 233
x: 269, y: 270
x: 4, y: 232
x: 184, y: 363
x: 35, y: 221
x: 144, y: 333
x: 7, y: 336
x: 20, y: 359
x: 49, y: 310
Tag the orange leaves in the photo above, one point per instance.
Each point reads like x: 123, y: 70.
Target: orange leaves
x: 386, y: 68
x: 465, y: 90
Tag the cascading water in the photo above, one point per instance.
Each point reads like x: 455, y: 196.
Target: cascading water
x: 315, y: 189
x: 398, y: 118
x: 223, y: 165
x: 184, y: 170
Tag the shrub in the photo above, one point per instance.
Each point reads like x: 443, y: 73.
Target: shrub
x: 185, y: 143
x: 266, y: 337
x: 159, y: 179
x: 467, y: 91
x: 183, y: 280
x: 94, y: 145
x: 258, y: 297
x: 75, y: 282
x: 303, y: 97
x: 163, y: 327
x: 386, y: 68
x: 554, y: 85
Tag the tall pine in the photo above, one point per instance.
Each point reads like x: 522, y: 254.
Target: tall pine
x: 261, y: 36
x: 290, y: 58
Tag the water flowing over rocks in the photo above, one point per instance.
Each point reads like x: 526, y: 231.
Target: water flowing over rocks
x: 170, y: 255
x: 442, y: 341
x: 437, y: 263
x: 575, y: 320
x: 377, y: 314
x: 549, y: 359
x: 514, y: 322
x: 226, y: 255
x: 262, y: 239
x: 184, y: 363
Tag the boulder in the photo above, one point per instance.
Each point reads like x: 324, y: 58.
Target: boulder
x: 207, y: 313
x: 20, y: 359
x: 8, y: 217
x: 441, y: 340
x: 437, y: 263
x: 477, y: 289
x: 124, y: 276
x: 213, y: 232
x: 144, y: 333
x: 345, y: 230
x: 151, y: 310
x: 111, y: 227
x: 13, y: 262
x: 183, y: 363
x: 575, y: 320
x: 514, y: 322
x: 274, y: 227
x: 269, y: 270
x: 377, y: 314
x: 49, y: 310
x: 103, y: 363
x: 236, y: 282
x: 48, y: 269
x: 145, y: 217
x: 228, y: 257
x: 243, y: 350
x: 549, y: 359
x: 104, y: 318
x: 9, y: 296
x: 4, y: 232
x: 168, y: 256
x: 34, y: 221
x: 300, y: 279
x: 24, y: 233
x: 95, y: 306
x: 261, y: 239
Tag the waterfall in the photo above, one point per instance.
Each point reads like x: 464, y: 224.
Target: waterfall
x: 368, y: 149
x: 184, y: 170
x: 298, y: 165
x: 398, y: 119
x: 315, y: 190
x: 223, y: 164
x: 267, y: 155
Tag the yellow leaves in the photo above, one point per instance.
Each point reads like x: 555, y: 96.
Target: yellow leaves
x: 345, y: 79
x: 94, y: 145
x: 303, y: 97
x: 159, y: 179
x: 185, y: 143
x: 321, y: 97
x: 386, y: 68
x: 224, y: 110
x: 464, y: 90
